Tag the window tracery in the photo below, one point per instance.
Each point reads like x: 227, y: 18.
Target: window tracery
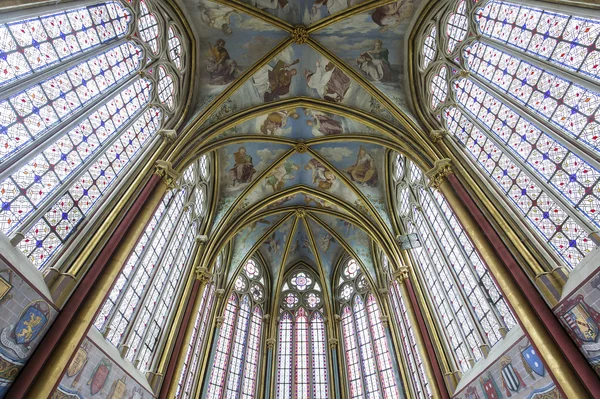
x: 522, y: 98
x: 235, y: 367
x: 369, y: 367
x: 302, y: 370
x: 136, y: 310
x: 82, y: 97
x: 469, y: 307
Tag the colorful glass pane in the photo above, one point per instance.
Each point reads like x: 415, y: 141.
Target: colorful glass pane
x: 34, y: 44
x: 429, y: 47
x: 456, y: 28
x: 174, y: 47
x: 148, y: 27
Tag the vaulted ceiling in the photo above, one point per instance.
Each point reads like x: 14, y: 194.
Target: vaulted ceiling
x: 301, y: 102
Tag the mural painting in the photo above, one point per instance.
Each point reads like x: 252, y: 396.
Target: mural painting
x: 248, y: 237
x: 93, y: 374
x: 373, y: 44
x: 299, y: 70
x: 273, y: 248
x: 579, y: 313
x: 519, y: 373
x: 219, y: 27
x: 362, y: 164
x: 301, y: 248
x: 299, y: 123
x: 25, y: 316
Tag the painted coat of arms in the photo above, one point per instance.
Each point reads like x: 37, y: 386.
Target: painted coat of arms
x: 582, y: 323
x: 490, y: 389
x: 100, y: 376
x: 32, y: 322
x: 531, y: 361
x: 511, y: 379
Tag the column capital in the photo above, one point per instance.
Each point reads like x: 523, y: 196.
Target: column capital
x: 271, y: 342
x: 401, y: 274
x: 203, y: 275
x: 385, y: 320
x: 333, y: 342
x: 220, y: 293
x: 383, y: 291
x: 165, y: 170
x: 441, y: 169
x: 219, y: 321
x: 168, y: 136
x: 438, y: 135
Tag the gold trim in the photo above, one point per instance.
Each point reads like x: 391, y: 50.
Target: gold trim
x: 59, y: 359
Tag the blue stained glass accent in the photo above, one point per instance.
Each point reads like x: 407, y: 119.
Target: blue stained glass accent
x: 39, y: 244
x: 65, y: 215
x: 6, y: 206
x: 524, y: 191
x: 546, y: 215
x: 573, y: 243
x: 573, y: 178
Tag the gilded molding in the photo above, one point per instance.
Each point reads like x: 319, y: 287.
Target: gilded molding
x: 300, y: 34
x: 441, y: 169
x: 300, y: 147
x: 169, y: 175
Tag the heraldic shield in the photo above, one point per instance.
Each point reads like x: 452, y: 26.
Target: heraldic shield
x: 530, y: 356
x: 100, y: 376
x: 582, y: 323
x: 32, y: 322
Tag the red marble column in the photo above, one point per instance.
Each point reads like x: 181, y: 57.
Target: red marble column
x: 576, y: 359
x: 169, y: 377
x: 29, y: 372
x: 437, y: 371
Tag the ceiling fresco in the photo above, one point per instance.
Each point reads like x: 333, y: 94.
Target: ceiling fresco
x: 301, y: 184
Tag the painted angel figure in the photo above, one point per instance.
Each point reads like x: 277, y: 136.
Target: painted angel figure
x: 322, y: 176
x: 390, y: 15
x: 364, y: 170
x: 217, y: 16
x: 219, y: 64
x: 329, y: 81
x: 375, y: 64
x: 323, y: 125
x: 276, y: 121
x: 270, y: 4
x: 274, y: 82
x: 333, y: 6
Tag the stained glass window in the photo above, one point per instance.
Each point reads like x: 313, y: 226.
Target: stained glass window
x: 456, y: 28
x: 192, y: 360
x: 369, y: 365
x: 234, y: 371
x: 420, y: 384
x: 525, y: 111
x: 302, y: 370
x: 137, y: 308
x: 174, y: 47
x: 76, y: 113
x: 439, y: 87
x: 470, y: 308
x: 429, y: 47
x: 33, y: 44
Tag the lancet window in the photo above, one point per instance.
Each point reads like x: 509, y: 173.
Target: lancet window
x: 234, y: 371
x: 137, y: 309
x: 302, y: 370
x: 520, y: 100
x: 470, y: 308
x: 82, y: 96
x: 369, y: 367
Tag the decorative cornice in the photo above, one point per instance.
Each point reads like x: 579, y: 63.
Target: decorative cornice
x: 441, y: 169
x: 438, y: 135
x: 165, y: 170
x: 299, y: 34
